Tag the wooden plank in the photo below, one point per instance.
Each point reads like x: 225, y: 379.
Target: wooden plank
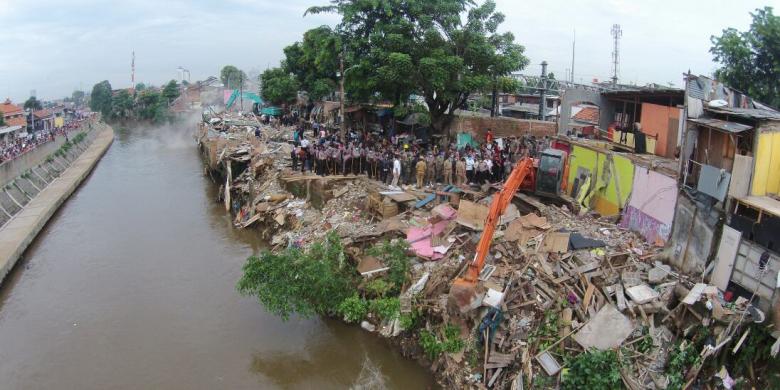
x: 621, y: 297
x: 588, y: 295
x: 727, y: 255
x: 424, y: 201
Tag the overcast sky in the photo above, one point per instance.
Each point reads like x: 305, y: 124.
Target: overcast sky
x: 56, y: 46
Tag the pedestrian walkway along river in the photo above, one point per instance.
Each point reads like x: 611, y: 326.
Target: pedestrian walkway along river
x: 132, y: 286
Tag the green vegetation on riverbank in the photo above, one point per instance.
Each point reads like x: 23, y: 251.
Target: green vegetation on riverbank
x: 323, y: 280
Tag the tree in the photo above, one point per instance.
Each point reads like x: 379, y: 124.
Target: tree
x: 751, y: 60
x: 33, y: 104
x: 150, y: 106
x: 2, y: 119
x: 122, y: 106
x: 278, y: 86
x: 400, y: 47
x: 315, y: 61
x: 171, y: 91
x: 232, y: 77
x: 140, y: 87
x: 101, y: 98
x: 78, y: 98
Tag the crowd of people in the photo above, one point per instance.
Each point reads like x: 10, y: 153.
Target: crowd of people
x: 18, y: 146
x: 402, y: 160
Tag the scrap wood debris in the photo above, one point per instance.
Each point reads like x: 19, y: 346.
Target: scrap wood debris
x: 556, y: 284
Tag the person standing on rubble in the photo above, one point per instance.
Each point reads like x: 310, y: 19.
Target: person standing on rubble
x: 470, y: 168
x: 294, y: 158
x: 409, y: 163
x: 439, y: 176
x: 396, y: 171
x: 460, y: 172
x: 420, y: 169
x: 430, y: 174
x: 447, y: 171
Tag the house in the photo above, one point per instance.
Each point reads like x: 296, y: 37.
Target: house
x: 728, y: 216
x: 42, y: 120
x: 635, y: 119
x: 13, y: 115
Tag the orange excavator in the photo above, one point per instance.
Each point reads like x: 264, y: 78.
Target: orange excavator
x: 463, y: 294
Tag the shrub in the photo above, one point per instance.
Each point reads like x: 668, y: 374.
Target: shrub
x: 377, y: 288
x: 593, y: 370
x: 433, y: 346
x: 393, y: 255
x: 385, y: 308
x: 294, y: 281
x: 353, y: 309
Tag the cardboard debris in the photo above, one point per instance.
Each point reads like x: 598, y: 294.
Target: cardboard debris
x: 606, y: 330
x: 472, y: 215
x: 556, y: 242
x: 370, y: 265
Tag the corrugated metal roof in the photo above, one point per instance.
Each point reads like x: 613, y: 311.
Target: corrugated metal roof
x: 730, y: 127
x: 749, y: 113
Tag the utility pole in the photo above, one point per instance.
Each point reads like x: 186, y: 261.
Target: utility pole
x: 343, y: 129
x: 543, y: 92
x: 616, y: 34
x: 241, y: 90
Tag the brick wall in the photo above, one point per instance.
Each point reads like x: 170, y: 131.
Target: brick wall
x: 501, y: 126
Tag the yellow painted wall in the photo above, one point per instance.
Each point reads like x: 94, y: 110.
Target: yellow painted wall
x: 604, y: 196
x: 650, y: 142
x: 59, y: 121
x: 766, y: 175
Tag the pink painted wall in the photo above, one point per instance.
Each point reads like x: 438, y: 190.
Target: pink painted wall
x: 654, y: 195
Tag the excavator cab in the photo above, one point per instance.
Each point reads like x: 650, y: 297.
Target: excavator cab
x: 550, y: 173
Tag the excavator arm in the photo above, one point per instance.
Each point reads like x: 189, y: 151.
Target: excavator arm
x: 463, y: 290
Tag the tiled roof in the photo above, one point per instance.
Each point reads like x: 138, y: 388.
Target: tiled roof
x: 17, y: 121
x: 588, y: 115
x: 9, y: 108
x: 42, y: 114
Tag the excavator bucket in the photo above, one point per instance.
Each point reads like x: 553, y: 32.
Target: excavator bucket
x: 463, y: 295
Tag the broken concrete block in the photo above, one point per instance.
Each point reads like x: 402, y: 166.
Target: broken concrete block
x: 606, y: 330
x: 641, y: 294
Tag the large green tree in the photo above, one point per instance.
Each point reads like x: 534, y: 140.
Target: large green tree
x: 232, y: 77
x: 78, y: 98
x: 750, y: 60
x: 2, y: 119
x: 32, y: 103
x: 278, y: 86
x: 171, y: 91
x: 122, y: 106
x: 315, y: 61
x: 443, y: 50
x: 100, y: 100
x: 150, y: 106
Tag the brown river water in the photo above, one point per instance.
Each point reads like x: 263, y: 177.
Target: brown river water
x: 132, y: 286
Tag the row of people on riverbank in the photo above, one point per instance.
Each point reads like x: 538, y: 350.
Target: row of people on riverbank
x: 16, y: 147
x: 397, y: 162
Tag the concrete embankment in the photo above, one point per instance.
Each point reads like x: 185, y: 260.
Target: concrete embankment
x: 21, y: 230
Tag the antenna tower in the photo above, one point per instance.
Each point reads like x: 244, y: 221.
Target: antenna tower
x: 616, y: 34
x: 132, y: 71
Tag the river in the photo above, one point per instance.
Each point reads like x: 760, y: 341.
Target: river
x: 132, y: 286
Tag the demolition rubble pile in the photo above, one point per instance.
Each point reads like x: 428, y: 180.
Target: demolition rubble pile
x: 555, y: 285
